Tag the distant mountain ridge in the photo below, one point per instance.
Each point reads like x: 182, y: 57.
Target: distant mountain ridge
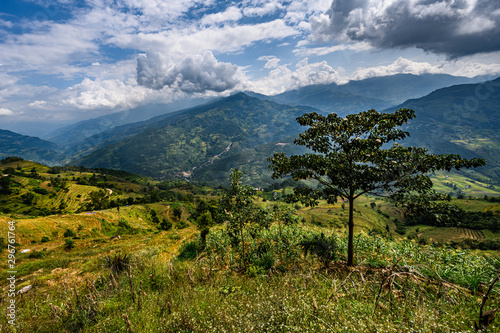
x: 371, y: 93
x: 73, y: 134
x: 28, y: 147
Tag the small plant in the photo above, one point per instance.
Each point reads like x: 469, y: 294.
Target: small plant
x: 324, y: 247
x: 189, y: 250
x: 45, y: 239
x: 118, y: 263
x: 69, y: 244
x: 69, y: 233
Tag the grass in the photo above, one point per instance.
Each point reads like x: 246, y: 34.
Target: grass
x: 430, y: 291
x: 397, y: 285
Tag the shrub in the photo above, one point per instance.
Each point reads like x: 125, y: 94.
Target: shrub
x: 189, y: 250
x: 118, y: 263
x: 69, y: 233
x: 324, y: 247
x: 69, y: 245
x: 45, y: 239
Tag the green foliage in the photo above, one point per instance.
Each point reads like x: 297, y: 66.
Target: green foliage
x: 69, y: 233
x: 349, y: 160
x: 324, y: 247
x: 118, y: 262
x: 190, y: 250
x: 69, y: 244
x: 177, y: 211
x: 241, y: 213
x: 165, y: 225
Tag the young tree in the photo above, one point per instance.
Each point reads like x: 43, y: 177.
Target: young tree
x: 241, y: 213
x: 349, y: 160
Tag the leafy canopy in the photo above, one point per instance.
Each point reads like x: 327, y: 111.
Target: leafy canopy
x: 349, y: 159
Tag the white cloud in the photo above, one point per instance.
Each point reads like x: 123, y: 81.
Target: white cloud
x: 38, y: 104
x: 302, y: 51
x: 271, y: 61
x: 92, y: 94
x: 262, y: 8
x: 6, y: 112
x: 215, y: 39
x: 194, y: 74
x: 231, y: 14
x: 283, y: 79
x: 400, y: 66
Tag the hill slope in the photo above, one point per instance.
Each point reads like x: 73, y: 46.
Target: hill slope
x: 462, y: 119
x: 28, y: 147
x: 179, y: 144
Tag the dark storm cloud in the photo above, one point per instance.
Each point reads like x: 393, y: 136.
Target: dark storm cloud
x: 452, y: 27
x: 193, y: 74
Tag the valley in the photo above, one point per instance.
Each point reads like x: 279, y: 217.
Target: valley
x: 131, y: 229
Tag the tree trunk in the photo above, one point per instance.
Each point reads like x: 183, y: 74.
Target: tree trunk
x: 350, y: 243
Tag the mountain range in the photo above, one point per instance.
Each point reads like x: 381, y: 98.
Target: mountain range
x: 204, y: 142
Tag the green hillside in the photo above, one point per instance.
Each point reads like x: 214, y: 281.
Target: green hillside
x: 193, y: 139
x: 118, y: 270
x: 30, y: 148
x: 462, y: 119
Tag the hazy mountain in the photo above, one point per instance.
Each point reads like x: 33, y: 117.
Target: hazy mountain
x: 28, y: 147
x: 73, y: 134
x: 183, y: 143
x: 372, y: 93
x: 462, y: 119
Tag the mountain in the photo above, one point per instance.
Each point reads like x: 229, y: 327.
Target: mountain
x: 28, y: 147
x: 74, y: 134
x: 462, y: 119
x: 188, y: 141
x: 372, y: 93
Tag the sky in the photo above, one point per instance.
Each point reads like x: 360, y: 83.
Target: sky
x: 62, y: 61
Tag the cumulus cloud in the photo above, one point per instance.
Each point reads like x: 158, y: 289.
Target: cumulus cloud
x: 400, y: 66
x: 230, y: 14
x: 92, y: 94
x: 282, y: 79
x: 5, y: 112
x: 193, y: 74
x: 455, y: 28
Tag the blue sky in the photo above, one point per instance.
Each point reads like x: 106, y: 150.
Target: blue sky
x: 66, y: 60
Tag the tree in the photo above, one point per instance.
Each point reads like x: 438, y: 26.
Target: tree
x: 243, y: 216
x: 177, y: 211
x: 349, y: 160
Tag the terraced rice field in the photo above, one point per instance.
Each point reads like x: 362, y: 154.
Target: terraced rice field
x: 469, y: 233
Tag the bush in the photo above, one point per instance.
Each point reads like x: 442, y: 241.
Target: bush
x: 45, y: 239
x: 182, y: 224
x: 189, y: 250
x: 69, y: 245
x: 69, y: 233
x: 118, y: 263
x: 324, y: 247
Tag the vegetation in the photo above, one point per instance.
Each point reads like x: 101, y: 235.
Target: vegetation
x: 349, y: 161
x: 100, y: 250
